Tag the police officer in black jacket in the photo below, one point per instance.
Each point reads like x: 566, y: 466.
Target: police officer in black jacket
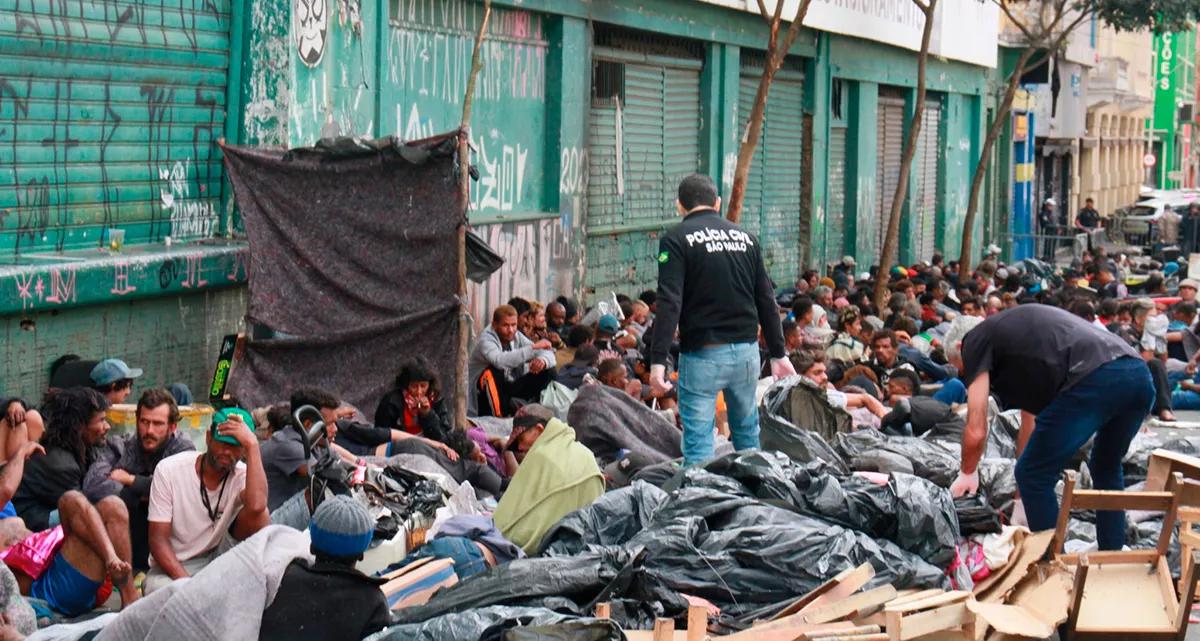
x: 713, y: 285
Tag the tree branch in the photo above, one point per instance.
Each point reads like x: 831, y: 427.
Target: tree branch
x: 464, y: 195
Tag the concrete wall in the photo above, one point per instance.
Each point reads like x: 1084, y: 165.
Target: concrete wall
x: 173, y: 338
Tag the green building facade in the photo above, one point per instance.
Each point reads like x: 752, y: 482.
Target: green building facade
x: 1174, y: 105
x: 585, y: 116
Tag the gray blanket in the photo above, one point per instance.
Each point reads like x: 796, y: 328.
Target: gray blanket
x: 607, y: 420
x: 223, y: 601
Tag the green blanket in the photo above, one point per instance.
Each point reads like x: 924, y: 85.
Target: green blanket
x: 558, y: 476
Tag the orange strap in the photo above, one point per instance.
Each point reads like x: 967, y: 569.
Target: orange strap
x: 487, y: 385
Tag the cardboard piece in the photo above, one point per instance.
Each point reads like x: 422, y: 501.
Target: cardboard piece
x: 1011, y: 619
x: 1028, y: 552
x: 417, y: 586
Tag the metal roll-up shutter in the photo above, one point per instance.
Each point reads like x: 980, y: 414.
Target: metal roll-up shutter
x: 771, y: 209
x: 644, y: 137
x: 890, y: 132
x: 111, y: 122
x: 926, y: 165
x: 835, y: 212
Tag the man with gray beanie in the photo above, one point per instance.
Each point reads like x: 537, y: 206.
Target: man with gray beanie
x: 328, y: 598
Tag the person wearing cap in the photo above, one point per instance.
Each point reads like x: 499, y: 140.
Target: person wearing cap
x: 125, y: 466
x: 713, y: 286
x: 507, y: 363
x: 327, y: 598
x: 201, y: 504
x: 620, y: 472
x: 114, y: 379
x: 1103, y: 279
x: 1071, y: 383
x: 608, y: 333
x: 1187, y: 290
x: 554, y: 476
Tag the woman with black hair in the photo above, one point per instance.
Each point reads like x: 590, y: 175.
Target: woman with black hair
x: 415, y: 405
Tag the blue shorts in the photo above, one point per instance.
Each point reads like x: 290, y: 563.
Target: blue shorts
x: 65, y: 589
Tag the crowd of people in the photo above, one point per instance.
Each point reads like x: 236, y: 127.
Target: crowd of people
x: 86, y: 513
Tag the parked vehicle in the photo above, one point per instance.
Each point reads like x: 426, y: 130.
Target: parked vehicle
x: 1141, y: 224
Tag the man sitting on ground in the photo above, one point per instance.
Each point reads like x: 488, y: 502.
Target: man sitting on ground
x: 125, y: 467
x: 188, y: 531
x: 613, y: 373
x: 114, y: 379
x: 505, y: 365
x: 555, y: 476
x: 584, y: 363
x: 75, y: 429
x: 328, y: 598
x: 885, y: 349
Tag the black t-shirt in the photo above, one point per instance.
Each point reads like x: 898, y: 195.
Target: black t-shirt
x: 282, y: 458
x: 1035, y: 352
x: 1088, y: 217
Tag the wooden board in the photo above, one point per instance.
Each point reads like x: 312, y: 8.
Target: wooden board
x: 905, y: 627
x: 849, y: 606
x: 786, y: 633
x: 842, y: 585
x: 1122, y: 597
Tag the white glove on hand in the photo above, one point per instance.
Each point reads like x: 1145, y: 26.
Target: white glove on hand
x: 1018, y: 514
x: 782, y: 368
x: 965, y: 484
x: 658, y: 380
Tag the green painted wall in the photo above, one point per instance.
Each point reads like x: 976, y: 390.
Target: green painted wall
x: 173, y: 338
x: 108, y: 118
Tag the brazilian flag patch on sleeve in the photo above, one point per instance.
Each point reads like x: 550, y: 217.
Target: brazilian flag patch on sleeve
x: 663, y: 256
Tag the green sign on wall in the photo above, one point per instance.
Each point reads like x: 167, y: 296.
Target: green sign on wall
x: 1164, y: 101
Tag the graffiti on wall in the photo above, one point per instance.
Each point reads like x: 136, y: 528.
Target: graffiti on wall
x: 312, y: 26
x: 81, y: 152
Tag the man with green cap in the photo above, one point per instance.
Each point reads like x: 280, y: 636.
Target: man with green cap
x: 202, y: 504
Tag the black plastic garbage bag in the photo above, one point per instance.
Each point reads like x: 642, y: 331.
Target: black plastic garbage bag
x: 976, y: 515
x: 1137, y: 457
x: 580, y: 630
x: 482, y: 260
x: 469, y: 625
x: 578, y: 578
x: 909, y: 511
x: 1000, y: 441
x: 612, y: 519
x: 929, y: 460
x: 997, y: 481
x: 798, y: 442
x: 741, y: 554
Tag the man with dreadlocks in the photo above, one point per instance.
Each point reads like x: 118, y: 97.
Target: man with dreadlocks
x: 89, y: 544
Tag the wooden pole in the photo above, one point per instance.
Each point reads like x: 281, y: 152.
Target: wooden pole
x: 697, y: 623
x: 664, y: 629
x: 464, y: 195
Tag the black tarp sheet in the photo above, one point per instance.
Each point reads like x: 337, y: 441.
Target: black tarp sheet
x: 353, y: 268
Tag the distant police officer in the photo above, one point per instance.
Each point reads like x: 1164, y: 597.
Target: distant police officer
x: 1072, y: 381
x: 713, y: 285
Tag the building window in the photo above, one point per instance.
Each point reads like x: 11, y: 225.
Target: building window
x: 836, y: 99
x: 608, y: 82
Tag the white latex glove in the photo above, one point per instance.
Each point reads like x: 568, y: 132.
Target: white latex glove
x: 658, y: 380
x: 966, y: 484
x: 782, y: 368
x: 1018, y: 515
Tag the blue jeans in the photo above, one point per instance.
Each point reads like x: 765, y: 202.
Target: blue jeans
x: 703, y: 374
x: 1185, y: 400
x: 468, y: 558
x: 953, y: 391
x: 1111, y: 403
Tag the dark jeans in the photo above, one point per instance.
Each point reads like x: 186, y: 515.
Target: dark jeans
x: 1110, y: 403
x: 528, y: 388
x: 1162, y: 386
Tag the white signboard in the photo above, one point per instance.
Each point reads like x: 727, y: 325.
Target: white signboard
x: 964, y: 30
